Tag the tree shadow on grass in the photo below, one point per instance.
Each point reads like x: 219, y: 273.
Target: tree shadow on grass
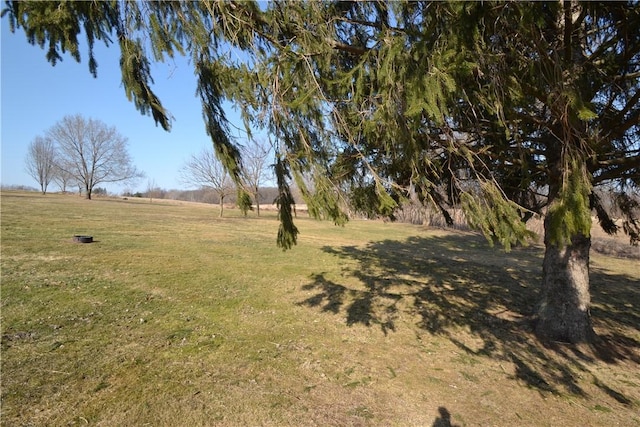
x: 457, y: 282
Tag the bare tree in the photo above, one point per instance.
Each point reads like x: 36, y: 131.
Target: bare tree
x: 153, y: 191
x: 205, y: 170
x: 92, y: 152
x: 255, y: 168
x: 63, y: 178
x: 40, y: 161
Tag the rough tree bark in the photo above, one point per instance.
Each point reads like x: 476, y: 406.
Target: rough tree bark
x: 563, y: 313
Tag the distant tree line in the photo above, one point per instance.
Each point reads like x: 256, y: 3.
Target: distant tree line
x: 266, y: 195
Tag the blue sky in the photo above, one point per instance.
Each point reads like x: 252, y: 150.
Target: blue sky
x: 36, y: 95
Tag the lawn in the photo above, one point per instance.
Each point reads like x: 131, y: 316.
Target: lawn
x: 175, y: 317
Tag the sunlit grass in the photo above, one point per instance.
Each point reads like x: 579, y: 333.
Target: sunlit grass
x: 177, y: 317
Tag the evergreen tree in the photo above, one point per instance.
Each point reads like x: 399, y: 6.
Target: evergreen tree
x: 508, y: 109
x: 559, y: 115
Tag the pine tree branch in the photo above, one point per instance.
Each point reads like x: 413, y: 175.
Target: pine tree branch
x: 618, y: 168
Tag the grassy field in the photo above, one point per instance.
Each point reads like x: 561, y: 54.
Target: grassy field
x: 174, y: 317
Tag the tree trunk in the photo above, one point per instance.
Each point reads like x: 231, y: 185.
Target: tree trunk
x: 221, y: 206
x: 563, y: 314
x: 256, y: 197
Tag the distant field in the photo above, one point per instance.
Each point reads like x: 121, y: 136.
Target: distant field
x: 175, y: 317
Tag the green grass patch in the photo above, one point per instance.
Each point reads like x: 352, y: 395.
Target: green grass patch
x: 174, y: 316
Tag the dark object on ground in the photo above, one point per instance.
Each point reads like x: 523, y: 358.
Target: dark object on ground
x: 83, y: 239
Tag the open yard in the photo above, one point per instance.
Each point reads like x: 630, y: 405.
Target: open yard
x: 174, y: 317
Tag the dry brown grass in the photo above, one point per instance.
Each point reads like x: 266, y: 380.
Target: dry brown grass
x: 177, y: 318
